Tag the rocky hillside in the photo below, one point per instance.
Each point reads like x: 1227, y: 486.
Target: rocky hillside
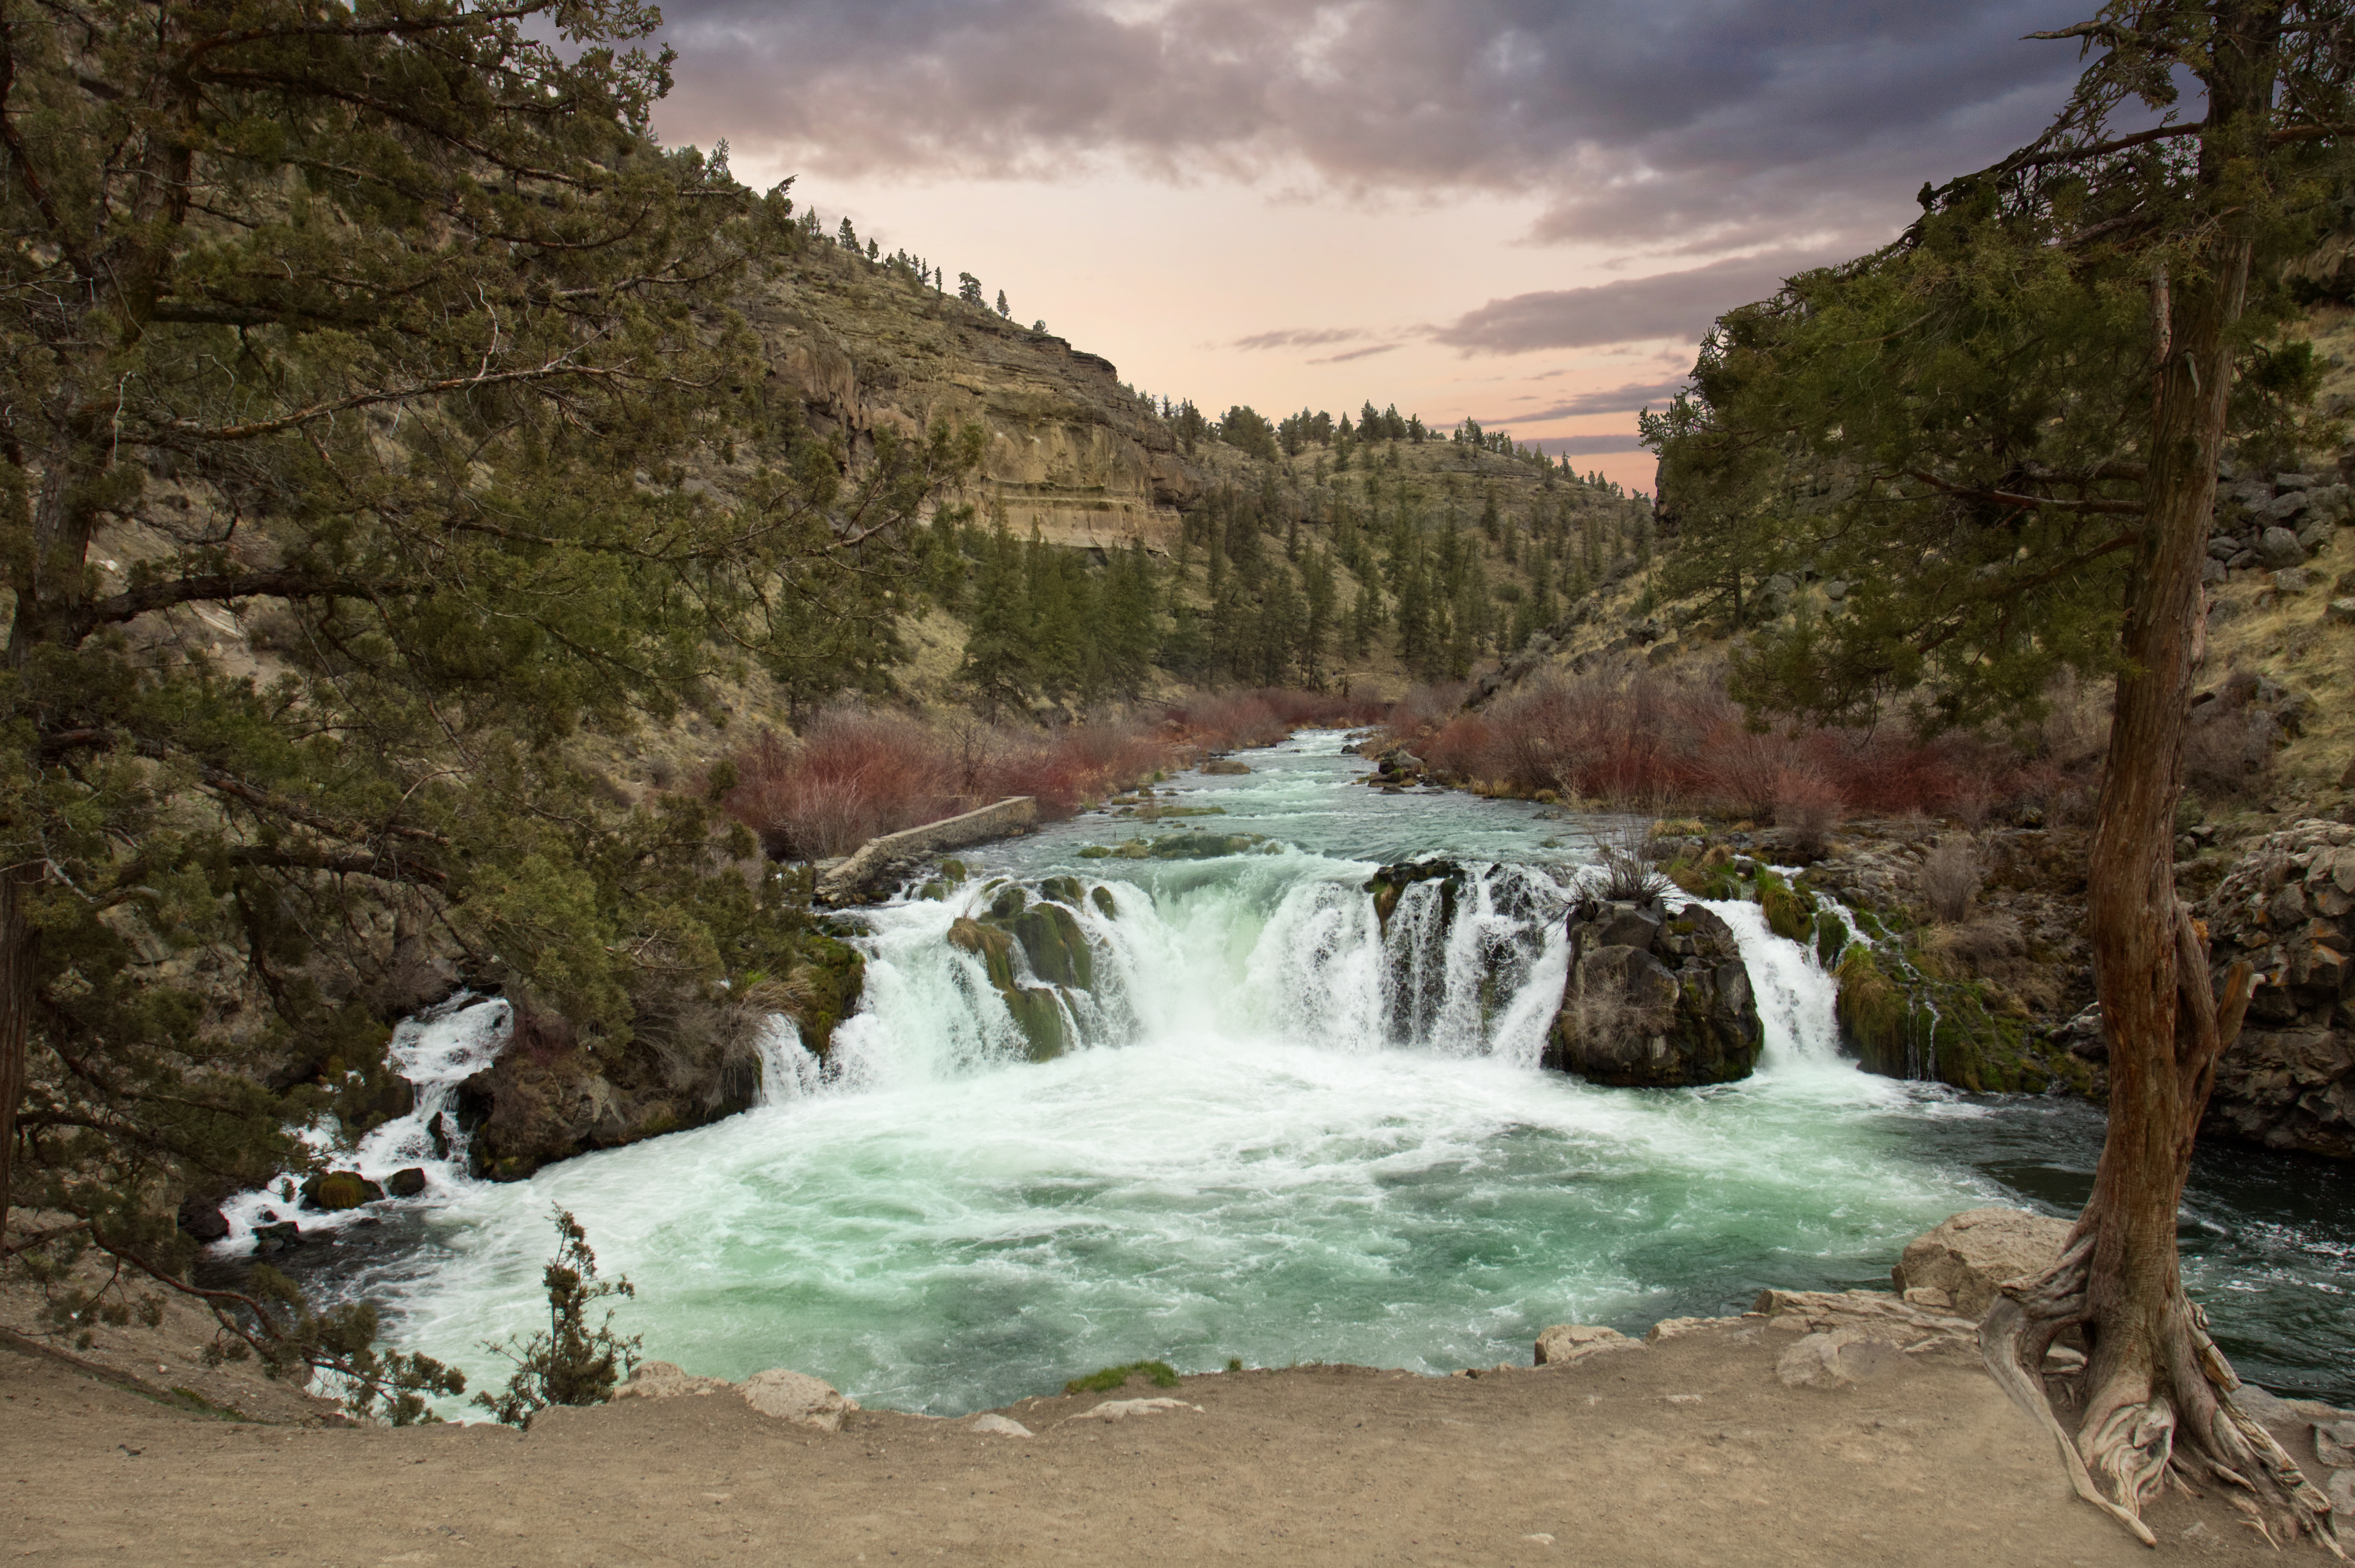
x: 1071, y: 450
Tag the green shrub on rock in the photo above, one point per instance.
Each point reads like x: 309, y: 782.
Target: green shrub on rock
x: 1790, y: 914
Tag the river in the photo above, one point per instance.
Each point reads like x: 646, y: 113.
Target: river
x: 1267, y: 1147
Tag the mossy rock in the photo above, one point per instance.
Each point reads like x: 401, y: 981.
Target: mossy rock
x: 1790, y: 914
x: 991, y: 945
x: 1202, y: 846
x: 1102, y: 898
x: 1831, y: 939
x: 1008, y: 904
x: 1925, y: 1029
x: 1063, y: 889
x: 1875, y: 1017
x: 333, y: 1191
x: 1040, y: 1016
x: 1035, y: 1008
x: 1389, y: 884
x: 833, y: 976
x: 1703, y: 879
x: 1058, y: 951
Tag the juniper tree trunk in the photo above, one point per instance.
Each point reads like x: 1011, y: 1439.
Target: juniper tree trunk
x: 2156, y: 1391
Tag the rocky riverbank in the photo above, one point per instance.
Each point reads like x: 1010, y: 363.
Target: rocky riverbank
x: 1963, y: 957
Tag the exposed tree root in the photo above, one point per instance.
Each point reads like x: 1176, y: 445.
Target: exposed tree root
x: 2152, y: 1414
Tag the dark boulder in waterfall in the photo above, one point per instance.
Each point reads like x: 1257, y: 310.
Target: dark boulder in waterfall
x: 1654, y: 999
x: 333, y: 1191
x: 1390, y: 883
x: 692, y: 1058
x: 203, y: 1222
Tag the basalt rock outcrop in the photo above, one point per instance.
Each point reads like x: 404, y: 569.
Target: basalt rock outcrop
x: 552, y: 1094
x: 1959, y: 1265
x: 2287, y: 906
x: 1656, y: 999
x: 869, y: 353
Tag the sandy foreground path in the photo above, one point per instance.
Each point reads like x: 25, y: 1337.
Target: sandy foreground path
x: 1688, y: 1452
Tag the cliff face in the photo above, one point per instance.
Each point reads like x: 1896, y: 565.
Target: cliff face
x: 2288, y: 907
x: 1071, y: 449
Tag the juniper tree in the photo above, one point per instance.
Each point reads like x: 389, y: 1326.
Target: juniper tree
x: 2004, y: 431
x: 372, y: 425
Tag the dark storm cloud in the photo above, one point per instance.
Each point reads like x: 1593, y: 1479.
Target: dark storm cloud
x: 1618, y: 400
x: 1646, y: 123
x: 1631, y: 310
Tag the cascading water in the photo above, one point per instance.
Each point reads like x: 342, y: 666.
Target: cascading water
x: 1280, y: 1131
x: 436, y: 1052
x: 1797, y: 1001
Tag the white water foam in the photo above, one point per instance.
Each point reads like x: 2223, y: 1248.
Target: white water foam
x: 436, y: 1051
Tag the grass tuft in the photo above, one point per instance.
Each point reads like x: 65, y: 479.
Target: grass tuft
x: 1161, y: 1374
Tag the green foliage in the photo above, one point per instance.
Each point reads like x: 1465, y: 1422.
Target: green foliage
x: 1160, y: 1373
x: 1957, y: 424
x: 1790, y: 913
x: 392, y: 338
x: 1246, y: 428
x: 573, y: 1360
x: 1044, y: 620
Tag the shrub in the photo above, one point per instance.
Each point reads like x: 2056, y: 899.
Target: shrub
x: 856, y: 773
x: 1625, y: 853
x: 1951, y: 875
x: 1160, y: 1373
x: 572, y: 1363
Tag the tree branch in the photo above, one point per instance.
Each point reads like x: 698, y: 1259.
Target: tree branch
x: 552, y: 370
x: 2032, y: 503
x: 222, y: 588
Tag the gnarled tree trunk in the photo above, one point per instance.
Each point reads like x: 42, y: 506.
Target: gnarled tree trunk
x: 2156, y: 1393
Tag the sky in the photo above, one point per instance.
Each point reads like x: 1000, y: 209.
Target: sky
x: 1522, y: 211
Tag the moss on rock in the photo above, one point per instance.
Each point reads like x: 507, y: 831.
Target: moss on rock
x: 1913, y: 1026
x: 1790, y: 912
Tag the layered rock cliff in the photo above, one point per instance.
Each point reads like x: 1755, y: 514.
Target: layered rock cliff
x: 1071, y: 449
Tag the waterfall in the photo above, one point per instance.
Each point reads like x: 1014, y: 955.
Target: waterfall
x: 1796, y: 998
x: 1281, y: 948
x: 789, y: 1072
x: 1472, y: 965
x: 436, y: 1051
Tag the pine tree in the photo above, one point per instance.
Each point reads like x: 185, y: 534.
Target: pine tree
x: 1317, y: 623
x: 998, y: 660
x: 2004, y: 428
x: 395, y: 337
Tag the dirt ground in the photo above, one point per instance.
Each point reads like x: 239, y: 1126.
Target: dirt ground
x: 1688, y: 1452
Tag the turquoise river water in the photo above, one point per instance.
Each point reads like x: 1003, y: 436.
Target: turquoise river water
x: 1286, y: 1137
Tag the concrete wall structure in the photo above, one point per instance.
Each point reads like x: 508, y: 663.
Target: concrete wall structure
x: 871, y: 859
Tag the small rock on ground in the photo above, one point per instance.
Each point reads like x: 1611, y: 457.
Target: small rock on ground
x: 1122, y: 1409
x: 796, y: 1397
